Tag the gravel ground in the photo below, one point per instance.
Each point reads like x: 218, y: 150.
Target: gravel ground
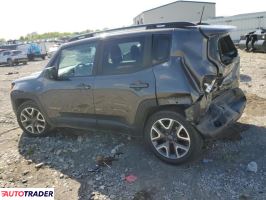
x: 67, y: 159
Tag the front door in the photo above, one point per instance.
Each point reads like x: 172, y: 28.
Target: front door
x: 69, y: 99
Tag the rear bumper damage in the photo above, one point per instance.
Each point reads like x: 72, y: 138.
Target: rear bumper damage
x: 224, y: 110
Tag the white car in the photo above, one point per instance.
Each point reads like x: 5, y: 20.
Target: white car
x: 11, y: 57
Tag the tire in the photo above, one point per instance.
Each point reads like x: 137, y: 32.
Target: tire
x: 31, y: 120
x: 10, y: 62
x: 25, y: 63
x: 171, y: 138
x: 43, y: 57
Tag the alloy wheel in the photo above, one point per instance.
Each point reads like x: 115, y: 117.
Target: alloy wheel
x: 170, y: 138
x: 32, y: 120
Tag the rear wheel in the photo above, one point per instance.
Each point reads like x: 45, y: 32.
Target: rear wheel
x: 172, y: 138
x: 32, y: 120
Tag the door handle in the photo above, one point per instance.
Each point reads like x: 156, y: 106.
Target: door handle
x: 83, y: 86
x: 139, y: 85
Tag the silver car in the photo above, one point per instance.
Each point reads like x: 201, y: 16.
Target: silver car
x: 11, y: 57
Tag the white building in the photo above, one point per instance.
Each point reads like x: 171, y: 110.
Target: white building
x: 189, y: 11
x: 244, y: 22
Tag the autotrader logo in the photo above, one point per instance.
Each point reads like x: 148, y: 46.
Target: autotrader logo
x: 27, y: 193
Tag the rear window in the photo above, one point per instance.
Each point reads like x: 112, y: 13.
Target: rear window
x: 227, y: 49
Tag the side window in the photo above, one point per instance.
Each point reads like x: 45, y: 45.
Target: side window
x: 123, y: 55
x: 77, y: 60
x: 161, y: 45
x: 6, y: 53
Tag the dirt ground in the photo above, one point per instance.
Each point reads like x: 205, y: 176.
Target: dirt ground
x: 69, y: 156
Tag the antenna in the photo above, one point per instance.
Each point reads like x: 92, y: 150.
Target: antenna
x: 201, y: 14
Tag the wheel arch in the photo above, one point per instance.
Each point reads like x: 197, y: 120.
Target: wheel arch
x: 20, y: 101
x: 144, y: 113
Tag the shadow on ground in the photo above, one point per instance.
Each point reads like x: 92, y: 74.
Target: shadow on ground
x: 245, y: 78
x: 216, y: 176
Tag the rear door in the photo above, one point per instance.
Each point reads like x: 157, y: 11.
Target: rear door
x: 124, y: 82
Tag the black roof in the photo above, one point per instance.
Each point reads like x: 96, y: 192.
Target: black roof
x: 141, y: 27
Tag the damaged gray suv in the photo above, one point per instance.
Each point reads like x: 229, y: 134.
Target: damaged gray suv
x: 175, y: 84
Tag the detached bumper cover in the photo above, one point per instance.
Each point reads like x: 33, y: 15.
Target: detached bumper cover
x: 224, y: 110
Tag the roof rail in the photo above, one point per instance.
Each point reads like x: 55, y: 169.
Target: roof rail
x: 144, y: 26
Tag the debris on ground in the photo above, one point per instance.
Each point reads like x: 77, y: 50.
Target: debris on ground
x: 25, y: 172
x: 94, y: 169
x: 105, y: 161
x: 38, y: 166
x: 29, y: 162
x: 10, y: 73
x: 24, y: 181
x: 131, y: 178
x: 142, y: 195
x: 115, y: 150
x: 252, y: 167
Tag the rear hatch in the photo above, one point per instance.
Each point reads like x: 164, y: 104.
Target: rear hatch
x: 225, y: 101
x: 223, y: 54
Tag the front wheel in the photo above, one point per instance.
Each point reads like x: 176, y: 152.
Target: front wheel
x: 172, y: 138
x: 31, y: 119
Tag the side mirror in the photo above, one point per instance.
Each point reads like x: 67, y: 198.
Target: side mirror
x: 50, y: 73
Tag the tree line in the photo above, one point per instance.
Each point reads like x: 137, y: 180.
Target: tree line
x: 49, y: 35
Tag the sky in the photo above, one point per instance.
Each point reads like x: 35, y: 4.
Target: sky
x: 20, y: 17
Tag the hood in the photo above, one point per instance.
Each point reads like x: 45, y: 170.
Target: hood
x: 30, y: 77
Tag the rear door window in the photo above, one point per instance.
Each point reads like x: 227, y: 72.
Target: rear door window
x: 161, y: 44
x: 122, y: 56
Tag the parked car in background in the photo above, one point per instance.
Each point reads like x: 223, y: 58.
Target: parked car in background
x: 174, y: 84
x: 34, y: 50
x: 13, y: 57
x: 19, y: 57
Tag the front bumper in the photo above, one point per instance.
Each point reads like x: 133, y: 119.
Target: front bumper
x: 224, y: 110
